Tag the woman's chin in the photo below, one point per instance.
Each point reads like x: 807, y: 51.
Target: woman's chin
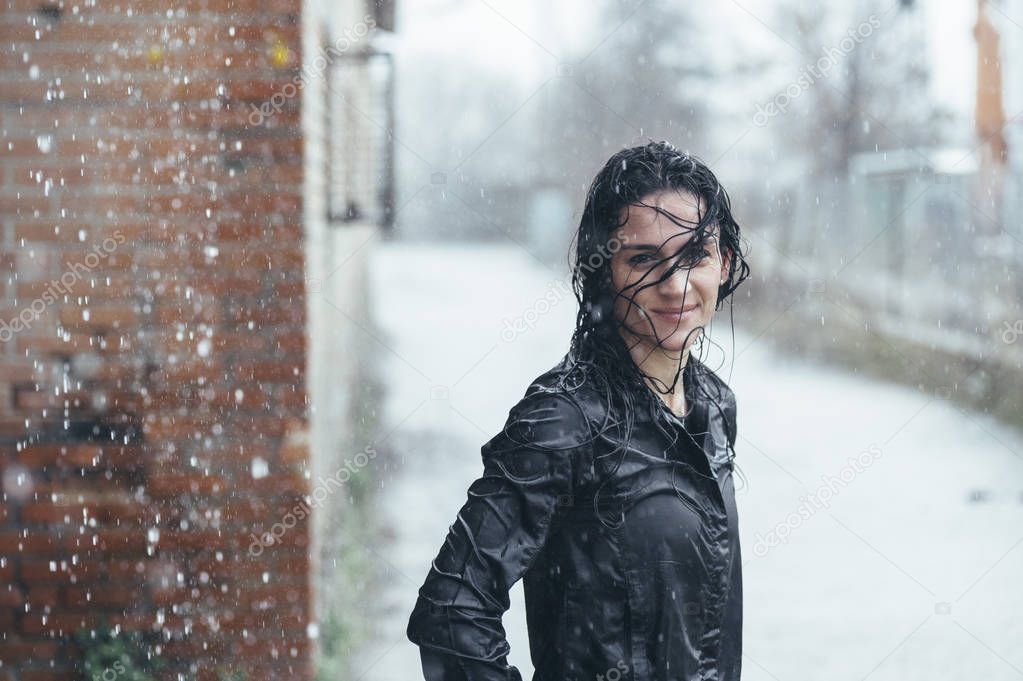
x: 674, y: 344
x: 680, y: 338
x: 676, y: 347
x: 672, y: 340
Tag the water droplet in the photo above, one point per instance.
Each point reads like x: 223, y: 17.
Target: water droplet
x: 260, y: 468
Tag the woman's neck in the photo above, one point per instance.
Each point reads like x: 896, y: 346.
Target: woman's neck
x: 660, y: 368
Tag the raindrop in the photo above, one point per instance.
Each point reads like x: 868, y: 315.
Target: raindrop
x: 260, y: 468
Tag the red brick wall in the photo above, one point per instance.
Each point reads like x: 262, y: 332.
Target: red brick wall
x: 155, y: 343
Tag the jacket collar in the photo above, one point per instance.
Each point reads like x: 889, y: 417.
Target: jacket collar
x: 652, y: 407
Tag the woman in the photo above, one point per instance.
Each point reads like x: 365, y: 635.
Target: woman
x: 609, y: 491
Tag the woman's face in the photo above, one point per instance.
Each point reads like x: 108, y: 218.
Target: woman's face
x: 666, y: 313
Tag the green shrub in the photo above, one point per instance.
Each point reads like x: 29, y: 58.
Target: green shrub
x: 113, y: 654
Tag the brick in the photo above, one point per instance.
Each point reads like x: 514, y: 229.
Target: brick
x: 266, y: 203
x: 174, y: 485
x: 76, y: 512
x: 16, y: 651
x: 43, y: 597
x: 64, y: 345
x: 25, y: 206
x: 59, y: 624
x: 96, y: 596
x: 265, y: 314
x: 14, y: 371
x: 52, y: 513
x: 71, y: 454
x: 173, y: 540
x: 172, y: 427
x: 284, y: 566
x: 31, y: 541
x: 110, y: 542
x: 97, y: 258
x: 287, y: 481
x: 58, y: 571
x: 50, y: 674
x: 98, y: 317
x: 7, y: 621
x: 11, y: 596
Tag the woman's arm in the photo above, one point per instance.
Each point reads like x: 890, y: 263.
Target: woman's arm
x: 457, y: 619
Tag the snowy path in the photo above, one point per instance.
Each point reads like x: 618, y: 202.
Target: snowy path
x: 896, y: 576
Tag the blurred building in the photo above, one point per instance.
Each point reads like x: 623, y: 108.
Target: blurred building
x: 916, y: 251
x: 170, y: 359
x: 348, y: 122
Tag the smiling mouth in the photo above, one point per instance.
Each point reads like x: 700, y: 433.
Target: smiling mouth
x: 674, y: 313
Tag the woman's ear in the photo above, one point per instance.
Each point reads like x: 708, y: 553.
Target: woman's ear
x: 726, y: 261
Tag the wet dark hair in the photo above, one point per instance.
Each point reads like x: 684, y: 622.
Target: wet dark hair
x: 598, y: 353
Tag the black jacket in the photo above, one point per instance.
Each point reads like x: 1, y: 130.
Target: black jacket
x: 654, y: 592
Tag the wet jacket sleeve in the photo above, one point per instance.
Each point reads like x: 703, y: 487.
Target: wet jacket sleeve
x: 527, y: 474
x: 731, y: 424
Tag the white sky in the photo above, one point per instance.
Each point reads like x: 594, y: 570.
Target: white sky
x: 512, y: 38
x: 508, y: 35
x: 953, y: 53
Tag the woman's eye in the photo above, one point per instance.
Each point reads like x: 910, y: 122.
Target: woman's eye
x: 703, y: 256
x: 693, y: 259
x: 646, y: 257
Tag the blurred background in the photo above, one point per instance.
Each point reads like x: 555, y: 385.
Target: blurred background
x: 275, y: 270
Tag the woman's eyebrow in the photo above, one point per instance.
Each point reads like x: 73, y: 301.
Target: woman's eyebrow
x: 657, y: 247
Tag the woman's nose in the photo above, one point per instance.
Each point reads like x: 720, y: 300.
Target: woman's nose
x: 677, y: 282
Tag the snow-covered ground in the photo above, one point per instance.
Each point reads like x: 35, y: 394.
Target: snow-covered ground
x: 882, y: 528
